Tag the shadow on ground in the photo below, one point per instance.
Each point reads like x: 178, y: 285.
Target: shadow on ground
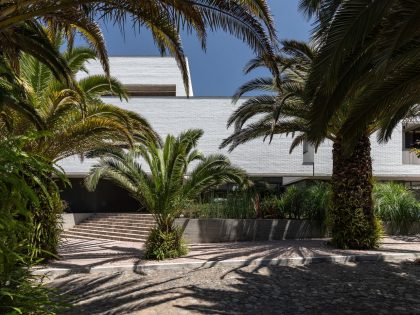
x: 82, y: 255
x: 357, y: 288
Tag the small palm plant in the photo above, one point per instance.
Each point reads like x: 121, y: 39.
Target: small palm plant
x: 169, y: 186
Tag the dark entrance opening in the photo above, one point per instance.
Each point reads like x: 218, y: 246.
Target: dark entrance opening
x: 107, y: 197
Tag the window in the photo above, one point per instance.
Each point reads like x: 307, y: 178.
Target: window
x: 412, y: 138
x: 305, y: 147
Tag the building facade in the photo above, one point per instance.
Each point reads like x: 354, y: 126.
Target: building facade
x: 158, y: 94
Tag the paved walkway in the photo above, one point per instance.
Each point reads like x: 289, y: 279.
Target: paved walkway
x: 277, y: 279
x: 82, y: 255
x: 352, y: 288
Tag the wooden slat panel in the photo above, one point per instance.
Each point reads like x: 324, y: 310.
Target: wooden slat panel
x: 151, y: 89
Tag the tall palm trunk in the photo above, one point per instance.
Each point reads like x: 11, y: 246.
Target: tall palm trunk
x: 352, y: 216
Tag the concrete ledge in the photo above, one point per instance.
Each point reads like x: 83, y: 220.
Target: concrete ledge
x: 390, y: 229
x: 231, y: 263
x: 71, y: 219
x: 234, y: 230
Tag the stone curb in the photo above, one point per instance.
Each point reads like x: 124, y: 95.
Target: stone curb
x: 232, y: 263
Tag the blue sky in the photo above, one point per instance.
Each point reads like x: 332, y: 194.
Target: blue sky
x: 218, y: 72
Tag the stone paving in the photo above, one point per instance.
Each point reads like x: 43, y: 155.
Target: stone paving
x: 363, y: 288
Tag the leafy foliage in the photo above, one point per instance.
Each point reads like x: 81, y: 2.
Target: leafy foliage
x: 162, y: 245
x: 283, y: 108
x: 75, y: 120
x: 288, y: 110
x: 297, y: 202
x: 396, y: 205
x: 248, y: 20
x: 20, y: 292
x: 171, y: 184
x: 369, y: 53
x: 69, y: 121
x: 235, y: 205
x: 306, y: 202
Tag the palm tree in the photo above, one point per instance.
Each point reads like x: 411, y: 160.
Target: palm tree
x: 71, y: 121
x: 249, y: 20
x: 170, y: 183
x: 369, y: 51
x: 286, y: 110
x: 74, y: 120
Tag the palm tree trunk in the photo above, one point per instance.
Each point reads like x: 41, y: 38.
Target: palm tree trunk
x: 352, y: 218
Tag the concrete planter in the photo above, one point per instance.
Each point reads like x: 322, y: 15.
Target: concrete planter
x: 232, y: 230
x: 389, y: 229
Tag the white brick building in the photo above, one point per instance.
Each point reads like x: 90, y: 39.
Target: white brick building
x: 156, y: 76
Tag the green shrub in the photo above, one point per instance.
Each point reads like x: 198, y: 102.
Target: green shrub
x: 306, y: 202
x: 47, y: 222
x: 396, y: 205
x: 317, y: 201
x: 271, y: 208
x: 20, y: 292
x: 236, y: 205
x: 162, y: 245
x: 292, y: 202
x: 297, y: 202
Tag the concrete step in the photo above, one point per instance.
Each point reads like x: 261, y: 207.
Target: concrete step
x: 130, y: 227
x: 105, y: 233
x: 119, y: 226
x: 76, y: 234
x: 119, y: 221
x: 124, y: 215
x: 122, y: 231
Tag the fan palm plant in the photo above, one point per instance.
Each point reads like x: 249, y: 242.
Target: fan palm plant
x: 248, y: 20
x: 286, y: 110
x: 171, y: 183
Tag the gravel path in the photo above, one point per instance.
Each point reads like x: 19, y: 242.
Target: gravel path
x: 363, y: 288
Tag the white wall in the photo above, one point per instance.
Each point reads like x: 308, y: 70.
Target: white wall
x: 173, y: 115
x: 387, y: 159
x: 143, y: 70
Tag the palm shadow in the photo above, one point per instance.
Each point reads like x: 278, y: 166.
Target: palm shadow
x: 359, y: 288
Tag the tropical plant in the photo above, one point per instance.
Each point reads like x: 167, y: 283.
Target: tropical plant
x: 293, y: 201
x: 170, y: 185
x: 75, y: 120
x: 369, y: 53
x: 318, y: 202
x: 236, y: 204
x: 72, y: 120
x: 286, y: 110
x: 21, y: 292
x: 396, y: 205
x: 248, y: 20
x: 271, y: 208
x: 368, y: 63
x: 30, y: 37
